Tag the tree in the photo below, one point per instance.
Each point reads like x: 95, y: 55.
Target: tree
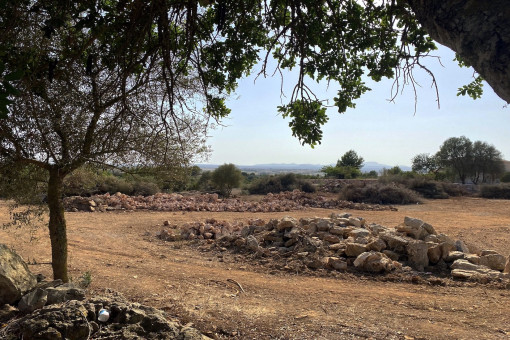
x: 457, y: 153
x: 425, y: 163
x: 226, y: 177
x: 487, y: 163
x: 341, y: 172
x: 90, y: 94
x: 350, y: 159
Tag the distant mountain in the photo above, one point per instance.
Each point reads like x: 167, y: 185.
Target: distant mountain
x: 292, y: 167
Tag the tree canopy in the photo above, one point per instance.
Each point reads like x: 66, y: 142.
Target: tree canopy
x: 478, y: 161
x: 216, y: 43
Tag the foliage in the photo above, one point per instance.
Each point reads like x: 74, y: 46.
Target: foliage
x: 341, y: 172
x: 378, y: 193
x: 501, y: 191
x: 370, y: 174
x: 506, y: 177
x: 350, y: 159
x: 280, y: 183
x: 225, y: 178
x: 425, y: 163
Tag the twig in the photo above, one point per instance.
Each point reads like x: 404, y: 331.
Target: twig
x: 236, y: 283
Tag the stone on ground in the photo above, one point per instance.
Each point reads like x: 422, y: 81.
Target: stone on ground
x: 15, y: 277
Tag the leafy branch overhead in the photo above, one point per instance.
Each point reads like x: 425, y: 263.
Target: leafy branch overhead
x: 208, y: 46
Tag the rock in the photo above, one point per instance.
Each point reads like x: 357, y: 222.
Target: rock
x: 488, y: 252
x: 507, y: 267
x: 377, y: 245
x: 358, y: 223
x: 461, y: 246
x: 374, y: 262
x: 454, y: 256
x: 15, y: 277
x: 354, y: 249
x: 324, y: 225
x: 391, y: 254
x: 64, y: 293
x: 416, y: 228
x: 337, y: 264
x: 431, y: 238
x: 331, y: 238
x: 376, y: 229
x: 434, y: 252
x: 493, y: 261
x: 336, y: 246
x: 7, y: 312
x: 335, y: 230
x: 394, y: 242
x: 359, y: 232
x: 430, y: 229
x: 417, y: 252
x: 252, y: 243
x: 467, y: 270
x: 475, y: 259
x: 287, y: 222
x: 446, y: 248
x: 36, y: 299
x: 316, y: 262
x: 413, y: 222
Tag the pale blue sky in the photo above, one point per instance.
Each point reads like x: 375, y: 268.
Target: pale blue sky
x: 380, y: 131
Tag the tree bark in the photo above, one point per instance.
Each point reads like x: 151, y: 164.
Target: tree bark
x: 479, y: 31
x: 57, y: 225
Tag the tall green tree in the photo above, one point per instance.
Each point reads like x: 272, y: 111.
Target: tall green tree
x: 487, y: 163
x: 425, y: 163
x: 457, y: 153
x: 350, y: 159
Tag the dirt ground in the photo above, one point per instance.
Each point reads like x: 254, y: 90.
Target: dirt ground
x: 120, y: 251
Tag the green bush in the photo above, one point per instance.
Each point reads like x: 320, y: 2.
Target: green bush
x: 378, y: 193
x: 112, y: 184
x: 501, y: 191
x: 144, y: 188
x: 81, y: 182
x: 506, y: 177
x: 279, y: 183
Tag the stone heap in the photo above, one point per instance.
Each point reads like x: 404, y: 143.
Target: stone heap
x: 56, y: 311
x: 285, y: 201
x: 342, y: 241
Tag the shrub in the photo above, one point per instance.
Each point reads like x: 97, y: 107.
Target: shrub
x: 501, y: 191
x: 378, y: 193
x: 225, y: 178
x: 144, y: 188
x: 506, y: 177
x: 279, y: 183
x: 81, y: 182
x: 112, y: 185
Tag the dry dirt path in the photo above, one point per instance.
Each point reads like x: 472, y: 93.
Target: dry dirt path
x: 192, y: 286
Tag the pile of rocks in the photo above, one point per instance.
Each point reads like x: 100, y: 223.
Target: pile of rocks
x: 55, y: 311
x: 343, y: 242
x: 285, y: 201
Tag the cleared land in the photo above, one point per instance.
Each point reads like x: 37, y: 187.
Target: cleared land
x: 121, y: 252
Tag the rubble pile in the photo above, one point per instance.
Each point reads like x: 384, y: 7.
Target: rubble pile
x: 343, y: 242
x: 285, y: 201
x: 52, y: 310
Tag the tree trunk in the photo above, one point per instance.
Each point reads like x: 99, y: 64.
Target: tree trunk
x: 57, y: 225
x: 479, y: 31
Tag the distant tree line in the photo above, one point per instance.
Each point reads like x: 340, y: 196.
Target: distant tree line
x: 463, y: 159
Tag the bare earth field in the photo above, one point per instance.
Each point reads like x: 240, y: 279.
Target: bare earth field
x: 121, y: 252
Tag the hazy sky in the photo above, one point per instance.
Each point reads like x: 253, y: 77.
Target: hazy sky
x: 378, y: 130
